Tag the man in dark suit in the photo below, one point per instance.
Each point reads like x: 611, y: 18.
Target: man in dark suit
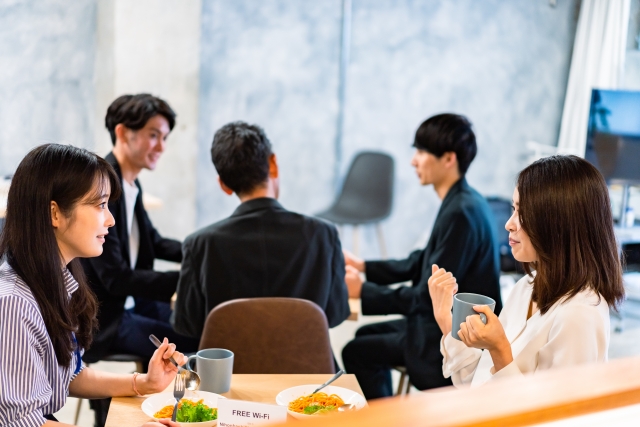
x: 138, y: 126
x: 261, y: 250
x: 463, y: 241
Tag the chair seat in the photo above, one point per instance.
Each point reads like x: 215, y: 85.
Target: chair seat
x: 346, y: 218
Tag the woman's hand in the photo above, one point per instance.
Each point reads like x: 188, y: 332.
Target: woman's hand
x: 442, y: 287
x: 161, y: 370
x: 491, y: 336
x: 161, y: 423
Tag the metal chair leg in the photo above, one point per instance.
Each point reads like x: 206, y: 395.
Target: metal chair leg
x: 403, y: 376
x: 383, y: 246
x: 75, y: 419
x: 356, y: 243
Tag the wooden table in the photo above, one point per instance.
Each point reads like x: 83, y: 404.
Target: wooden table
x: 126, y: 411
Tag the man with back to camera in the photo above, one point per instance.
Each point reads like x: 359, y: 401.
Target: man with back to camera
x: 261, y: 250
x: 463, y: 241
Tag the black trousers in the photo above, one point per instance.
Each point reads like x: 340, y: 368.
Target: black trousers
x: 370, y: 356
x: 149, y: 317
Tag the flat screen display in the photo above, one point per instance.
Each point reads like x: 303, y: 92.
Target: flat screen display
x: 613, y: 138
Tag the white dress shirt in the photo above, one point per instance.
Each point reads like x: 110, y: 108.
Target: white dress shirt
x: 573, y: 331
x: 130, y: 195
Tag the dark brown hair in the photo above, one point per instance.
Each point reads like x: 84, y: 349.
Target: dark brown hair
x: 66, y: 175
x: 134, y: 111
x: 565, y: 210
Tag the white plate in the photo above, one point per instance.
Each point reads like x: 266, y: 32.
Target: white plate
x: 155, y: 402
x: 285, y: 396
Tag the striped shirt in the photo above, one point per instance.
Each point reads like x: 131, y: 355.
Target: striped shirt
x: 32, y: 384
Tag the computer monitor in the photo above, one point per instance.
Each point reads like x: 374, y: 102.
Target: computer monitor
x: 613, y: 139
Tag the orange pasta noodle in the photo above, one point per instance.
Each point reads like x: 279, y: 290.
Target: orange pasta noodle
x: 317, y: 399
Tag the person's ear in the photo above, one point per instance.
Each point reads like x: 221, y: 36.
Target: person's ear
x: 273, y: 167
x: 226, y: 189
x: 56, y: 215
x: 451, y: 159
x: 122, y: 133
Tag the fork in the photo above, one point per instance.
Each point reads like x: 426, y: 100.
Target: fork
x: 178, y: 393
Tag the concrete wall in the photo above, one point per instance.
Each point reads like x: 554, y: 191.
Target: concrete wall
x: 46, y: 75
x: 153, y: 46
x: 503, y: 64
x: 273, y: 63
x: 632, y: 64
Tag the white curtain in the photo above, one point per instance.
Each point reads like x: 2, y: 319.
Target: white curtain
x: 597, y: 62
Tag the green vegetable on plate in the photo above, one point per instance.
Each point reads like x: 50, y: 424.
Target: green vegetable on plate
x: 318, y: 409
x: 195, y: 412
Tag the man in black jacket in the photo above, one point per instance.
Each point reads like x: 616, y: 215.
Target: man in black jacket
x: 463, y: 241
x: 261, y: 250
x: 138, y: 126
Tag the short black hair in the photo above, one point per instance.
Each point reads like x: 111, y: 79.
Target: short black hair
x: 240, y: 153
x: 448, y: 133
x: 134, y: 111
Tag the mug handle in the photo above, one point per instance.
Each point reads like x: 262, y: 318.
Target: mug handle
x: 483, y: 317
x: 188, y: 364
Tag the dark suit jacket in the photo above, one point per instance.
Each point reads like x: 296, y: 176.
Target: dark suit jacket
x: 463, y: 241
x: 112, y: 278
x: 262, y: 250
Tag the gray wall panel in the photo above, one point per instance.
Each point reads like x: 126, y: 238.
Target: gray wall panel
x: 273, y: 63
x: 502, y: 64
x: 46, y: 75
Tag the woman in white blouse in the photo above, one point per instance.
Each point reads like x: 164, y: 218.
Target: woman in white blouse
x: 557, y: 315
x: 57, y: 212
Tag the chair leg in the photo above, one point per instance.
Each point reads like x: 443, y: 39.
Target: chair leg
x: 383, y: 247
x: 77, y: 417
x: 403, y: 376
x: 356, y: 243
x: 408, y: 386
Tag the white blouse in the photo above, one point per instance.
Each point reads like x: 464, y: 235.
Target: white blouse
x: 571, y: 332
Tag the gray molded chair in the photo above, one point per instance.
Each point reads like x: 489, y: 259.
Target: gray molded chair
x: 271, y: 336
x: 366, y: 196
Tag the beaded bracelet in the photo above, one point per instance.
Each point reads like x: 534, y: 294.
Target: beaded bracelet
x: 133, y: 380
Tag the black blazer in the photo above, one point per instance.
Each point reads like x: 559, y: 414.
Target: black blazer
x: 112, y: 278
x: 261, y: 250
x: 463, y: 241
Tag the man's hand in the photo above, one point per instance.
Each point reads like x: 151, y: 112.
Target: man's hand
x: 442, y: 287
x: 353, y: 261
x: 354, y: 281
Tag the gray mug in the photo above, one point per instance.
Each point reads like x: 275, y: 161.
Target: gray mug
x: 214, y: 366
x: 463, y: 307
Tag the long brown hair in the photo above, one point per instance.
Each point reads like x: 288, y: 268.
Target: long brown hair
x: 66, y: 175
x: 565, y: 210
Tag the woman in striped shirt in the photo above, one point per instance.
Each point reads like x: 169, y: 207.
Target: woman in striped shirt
x: 57, y: 212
